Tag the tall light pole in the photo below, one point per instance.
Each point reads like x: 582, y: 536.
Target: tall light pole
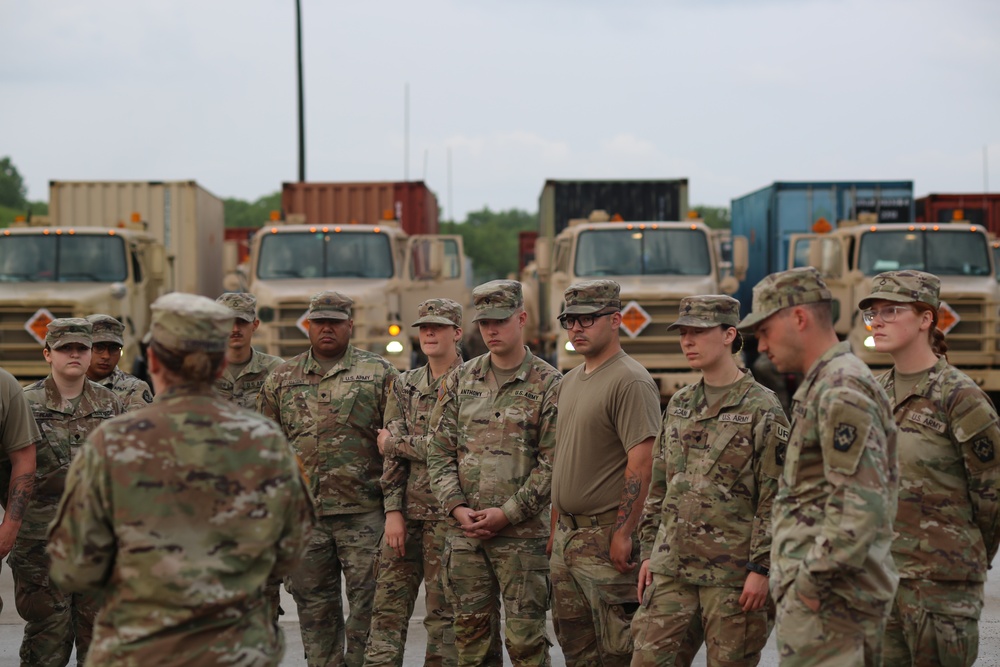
x: 302, y: 113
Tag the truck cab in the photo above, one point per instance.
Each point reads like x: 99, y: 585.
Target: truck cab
x: 385, y: 271
x: 959, y: 253
x: 656, y: 263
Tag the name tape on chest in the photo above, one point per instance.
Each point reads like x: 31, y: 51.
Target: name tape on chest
x: 680, y: 412
x: 103, y: 414
x: 359, y: 377
x: 928, y: 421
x: 474, y: 393
x: 527, y: 394
x: 735, y: 418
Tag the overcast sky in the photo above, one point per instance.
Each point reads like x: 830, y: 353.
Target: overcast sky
x: 731, y: 94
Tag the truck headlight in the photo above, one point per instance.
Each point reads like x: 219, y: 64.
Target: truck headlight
x: 118, y: 290
x: 394, y: 347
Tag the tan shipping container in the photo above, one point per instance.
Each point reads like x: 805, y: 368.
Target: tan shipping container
x: 188, y: 219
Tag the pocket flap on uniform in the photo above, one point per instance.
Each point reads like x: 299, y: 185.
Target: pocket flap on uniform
x: 615, y: 594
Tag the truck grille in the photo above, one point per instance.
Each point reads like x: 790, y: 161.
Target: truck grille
x: 16, y: 344
x: 291, y: 341
x: 977, y: 329
x: 655, y: 340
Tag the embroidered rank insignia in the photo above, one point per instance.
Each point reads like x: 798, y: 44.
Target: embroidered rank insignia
x: 844, y: 436
x: 983, y: 449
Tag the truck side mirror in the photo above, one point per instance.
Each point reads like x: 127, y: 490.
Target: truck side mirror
x: 741, y: 257
x: 437, y: 259
x: 543, y: 256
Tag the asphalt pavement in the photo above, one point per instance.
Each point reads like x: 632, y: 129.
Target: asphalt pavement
x: 11, y: 628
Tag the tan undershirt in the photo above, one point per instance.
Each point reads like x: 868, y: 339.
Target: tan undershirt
x: 903, y: 383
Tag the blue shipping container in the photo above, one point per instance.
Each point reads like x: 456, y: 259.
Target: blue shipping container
x: 769, y: 216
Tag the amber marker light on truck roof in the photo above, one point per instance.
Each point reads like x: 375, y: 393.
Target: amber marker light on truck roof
x: 394, y: 329
x: 274, y: 230
x: 111, y: 232
x: 377, y: 230
x: 336, y: 229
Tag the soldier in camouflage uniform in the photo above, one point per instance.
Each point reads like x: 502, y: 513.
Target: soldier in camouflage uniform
x: 19, y: 438
x: 832, y: 575
x: 948, y: 522
x: 67, y: 407
x: 706, y: 526
x: 107, y: 350
x: 246, y: 368
x: 244, y: 375
x: 609, y: 417
x: 490, y: 462
x: 330, y: 401
x: 415, y: 525
x: 178, y: 513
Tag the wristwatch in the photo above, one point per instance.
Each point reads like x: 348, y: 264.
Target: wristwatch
x: 759, y: 569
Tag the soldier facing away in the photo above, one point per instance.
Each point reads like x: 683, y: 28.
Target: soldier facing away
x: 832, y: 574
x: 706, y: 527
x: 105, y: 354
x: 608, y: 419
x: 948, y: 522
x: 490, y: 462
x: 178, y: 513
x: 67, y: 407
x: 246, y: 368
x: 330, y: 401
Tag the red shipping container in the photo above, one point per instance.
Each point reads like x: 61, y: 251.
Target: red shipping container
x: 332, y: 203
x: 977, y: 208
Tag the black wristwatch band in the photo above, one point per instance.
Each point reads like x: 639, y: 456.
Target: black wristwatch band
x: 759, y: 569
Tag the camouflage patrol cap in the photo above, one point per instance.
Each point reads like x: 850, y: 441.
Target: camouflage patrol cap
x: 66, y: 330
x: 904, y: 287
x: 243, y: 304
x: 706, y: 311
x: 497, y: 300
x: 591, y: 296
x: 190, y: 323
x: 795, y: 287
x: 106, y: 329
x: 439, y: 311
x: 330, y: 306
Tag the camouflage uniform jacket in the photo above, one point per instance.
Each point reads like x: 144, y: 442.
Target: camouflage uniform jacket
x: 243, y: 390
x: 405, y: 480
x: 178, y: 513
x: 133, y: 392
x: 715, y: 474
x: 332, y: 420
x: 948, y: 522
x: 63, y: 433
x: 837, y: 496
x: 492, y: 447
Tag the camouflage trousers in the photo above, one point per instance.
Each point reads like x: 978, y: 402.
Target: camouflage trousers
x: 55, y: 621
x: 676, y: 617
x: 476, y: 574
x: 345, y: 543
x: 934, y: 623
x: 835, y: 635
x: 592, y: 602
x: 396, y: 587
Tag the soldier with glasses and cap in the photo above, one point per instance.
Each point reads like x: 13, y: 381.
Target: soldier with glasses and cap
x: 832, y: 574
x: 608, y: 419
x: 706, y: 526
x: 67, y: 407
x: 948, y: 522
x: 107, y: 351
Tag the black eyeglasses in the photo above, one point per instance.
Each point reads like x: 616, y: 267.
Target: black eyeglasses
x: 107, y: 348
x: 586, y: 321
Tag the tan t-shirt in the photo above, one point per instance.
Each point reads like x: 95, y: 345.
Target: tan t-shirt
x: 903, y: 383
x: 17, y: 426
x: 601, y: 416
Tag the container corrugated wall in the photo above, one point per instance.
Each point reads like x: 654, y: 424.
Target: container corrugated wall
x: 562, y: 201
x: 977, y: 208
x: 769, y: 216
x: 412, y: 203
x: 188, y: 219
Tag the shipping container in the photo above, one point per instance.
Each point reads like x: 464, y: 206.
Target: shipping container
x: 769, y: 216
x: 186, y: 218
x: 562, y: 201
x: 412, y: 203
x: 977, y: 208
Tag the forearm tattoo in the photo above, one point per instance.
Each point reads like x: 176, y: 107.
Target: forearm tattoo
x: 633, y: 487
x: 21, y: 488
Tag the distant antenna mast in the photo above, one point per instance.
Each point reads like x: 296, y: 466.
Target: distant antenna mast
x: 302, y: 115
x: 986, y: 168
x: 406, y: 132
x: 451, y: 209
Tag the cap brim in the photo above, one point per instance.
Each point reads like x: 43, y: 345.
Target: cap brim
x: 108, y: 338
x: 753, y: 319
x: 434, y: 319
x: 689, y: 321
x: 69, y: 339
x: 493, y: 314
x: 328, y: 315
x: 884, y: 296
x: 582, y: 310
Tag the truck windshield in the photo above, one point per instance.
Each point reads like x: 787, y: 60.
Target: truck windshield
x: 324, y: 255
x: 943, y: 253
x: 62, y: 258
x: 629, y: 252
